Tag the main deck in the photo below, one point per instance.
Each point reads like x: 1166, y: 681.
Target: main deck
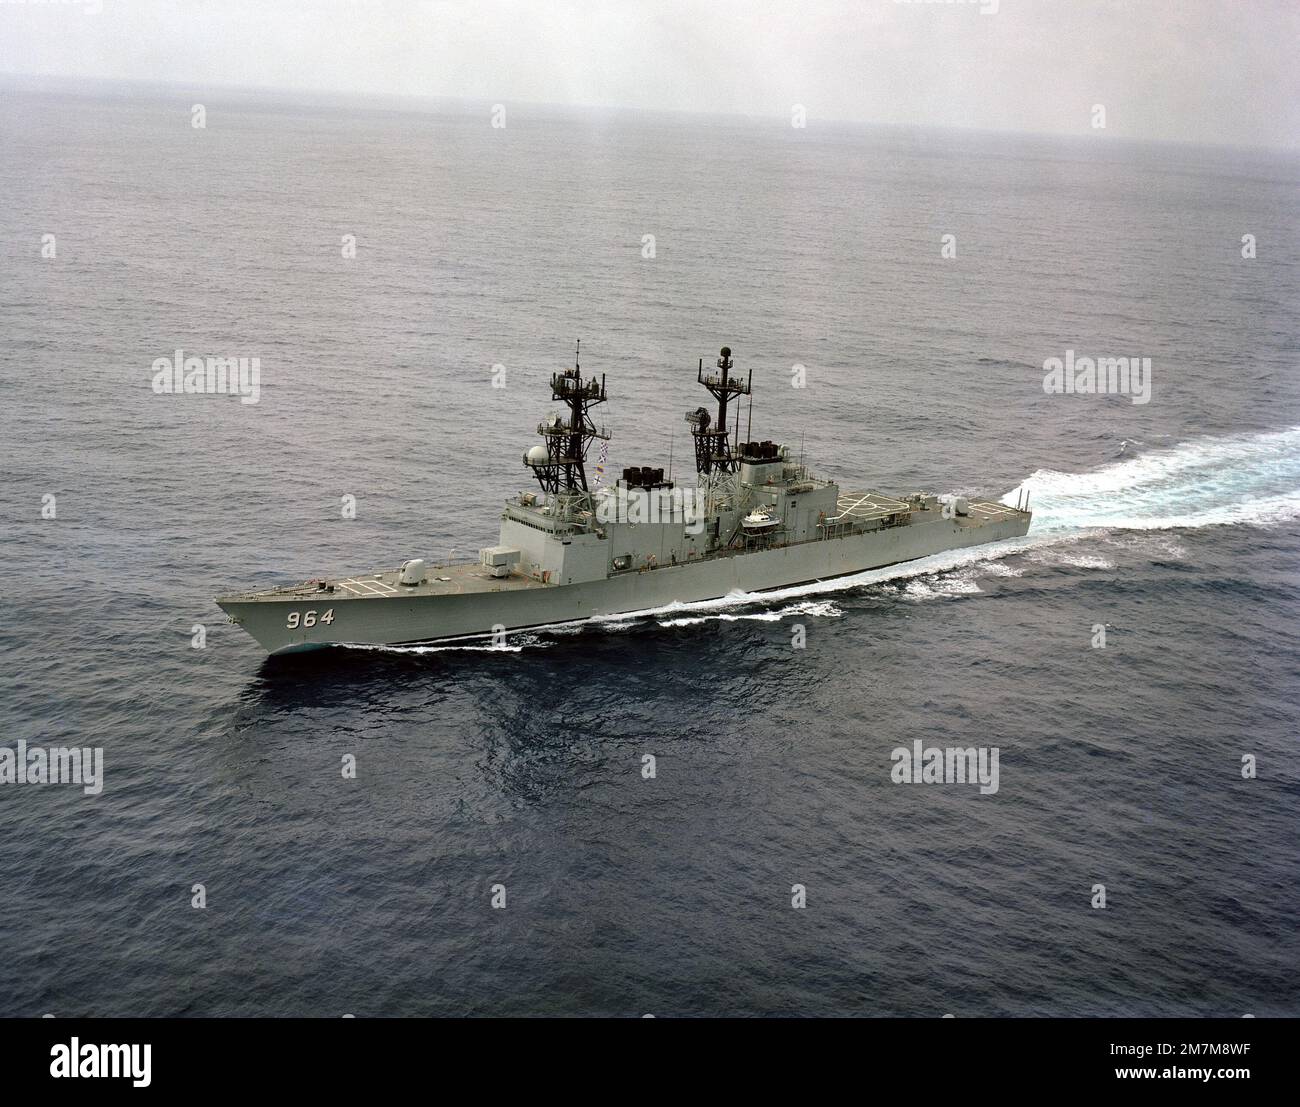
x: 440, y: 580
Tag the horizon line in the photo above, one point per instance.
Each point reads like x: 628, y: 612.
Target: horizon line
x: 414, y: 97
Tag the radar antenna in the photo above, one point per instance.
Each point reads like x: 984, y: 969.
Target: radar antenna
x: 712, y: 439
x: 559, y: 465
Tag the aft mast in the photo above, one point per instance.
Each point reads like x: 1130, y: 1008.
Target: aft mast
x: 560, y: 464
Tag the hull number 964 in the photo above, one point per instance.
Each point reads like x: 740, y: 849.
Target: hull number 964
x: 308, y: 619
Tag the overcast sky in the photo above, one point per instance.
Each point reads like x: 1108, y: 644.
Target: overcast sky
x: 1220, y: 71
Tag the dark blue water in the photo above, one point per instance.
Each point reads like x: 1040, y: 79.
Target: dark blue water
x: 1175, y: 523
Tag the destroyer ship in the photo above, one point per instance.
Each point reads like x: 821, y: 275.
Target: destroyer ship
x: 756, y: 519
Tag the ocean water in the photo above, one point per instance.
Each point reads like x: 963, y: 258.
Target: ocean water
x: 1175, y: 524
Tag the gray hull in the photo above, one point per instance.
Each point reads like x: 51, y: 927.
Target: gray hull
x: 395, y: 618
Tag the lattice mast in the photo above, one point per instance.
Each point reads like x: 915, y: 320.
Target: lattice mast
x: 561, y: 469
x: 712, y: 440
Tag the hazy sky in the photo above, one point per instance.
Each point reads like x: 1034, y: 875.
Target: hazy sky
x: 1199, y: 70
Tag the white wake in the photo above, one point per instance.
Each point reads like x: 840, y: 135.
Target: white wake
x: 1250, y: 480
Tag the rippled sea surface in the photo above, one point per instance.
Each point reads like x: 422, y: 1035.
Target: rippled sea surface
x: 1174, y: 524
